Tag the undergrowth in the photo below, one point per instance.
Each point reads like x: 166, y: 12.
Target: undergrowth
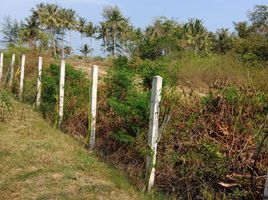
x: 209, y: 149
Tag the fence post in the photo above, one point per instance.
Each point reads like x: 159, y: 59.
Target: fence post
x: 1, y: 65
x: 153, y: 131
x: 93, y: 105
x: 61, y: 95
x: 10, y: 81
x: 39, y: 79
x: 21, y: 76
x: 265, y: 196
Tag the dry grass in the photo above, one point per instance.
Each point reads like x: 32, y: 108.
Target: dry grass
x: 85, y: 65
x: 38, y: 162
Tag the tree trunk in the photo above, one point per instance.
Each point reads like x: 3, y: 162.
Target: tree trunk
x: 62, y: 47
x: 114, y: 45
x: 82, y: 40
x: 105, y: 48
x: 53, y: 42
x: 91, y: 48
x: 70, y: 41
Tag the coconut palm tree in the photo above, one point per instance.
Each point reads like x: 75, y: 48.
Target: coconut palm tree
x: 196, y: 35
x: 85, y: 50
x: 69, y: 18
x: 103, y: 33
x: 242, y: 29
x: 223, y: 41
x: 89, y: 32
x: 115, y: 22
x: 49, y: 17
x: 81, y: 27
x: 30, y: 31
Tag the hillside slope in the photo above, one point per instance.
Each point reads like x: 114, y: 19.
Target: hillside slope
x: 39, y: 162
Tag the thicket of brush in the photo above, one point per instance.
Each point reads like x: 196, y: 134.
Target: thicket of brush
x: 212, y: 146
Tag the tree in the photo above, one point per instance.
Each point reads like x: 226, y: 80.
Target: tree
x: 223, y: 41
x: 30, y: 31
x: 103, y: 33
x: 160, y: 38
x: 89, y: 32
x: 81, y: 27
x: 259, y: 15
x: 10, y: 29
x: 196, y: 36
x: 85, y: 50
x: 116, y: 23
x: 49, y: 16
x: 68, y: 22
x: 242, y: 29
x: 259, y: 19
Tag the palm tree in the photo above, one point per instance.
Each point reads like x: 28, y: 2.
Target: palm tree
x: 242, y: 29
x: 49, y: 16
x: 196, y: 35
x: 103, y: 32
x: 223, y: 41
x: 115, y: 22
x: 89, y: 32
x: 30, y: 31
x: 81, y: 27
x: 70, y: 23
x: 85, y: 50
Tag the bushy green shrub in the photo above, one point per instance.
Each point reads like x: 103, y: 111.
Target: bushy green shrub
x: 128, y: 100
x: 76, y: 91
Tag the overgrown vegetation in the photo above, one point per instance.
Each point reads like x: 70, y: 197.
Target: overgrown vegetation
x: 215, y: 93
x: 210, y: 145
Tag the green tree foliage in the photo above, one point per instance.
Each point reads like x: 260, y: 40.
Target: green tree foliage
x: 90, y: 31
x: 81, y: 23
x: 129, y: 104
x: 85, y: 50
x: 117, y: 25
x: 259, y: 15
x: 11, y: 29
x: 223, y: 41
x: 30, y: 31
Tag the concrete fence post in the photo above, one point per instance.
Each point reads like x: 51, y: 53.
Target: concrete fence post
x: 1, y: 65
x: 153, y: 131
x: 39, y: 81
x: 93, y: 105
x: 21, y: 76
x: 265, y: 196
x: 11, y: 72
x: 61, y: 93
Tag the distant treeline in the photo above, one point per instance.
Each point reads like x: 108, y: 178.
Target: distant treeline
x: 47, y: 27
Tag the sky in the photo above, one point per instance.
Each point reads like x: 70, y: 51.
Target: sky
x: 215, y: 13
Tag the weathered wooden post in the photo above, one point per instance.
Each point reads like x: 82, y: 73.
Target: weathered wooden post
x: 39, y: 79
x: 21, y: 76
x: 93, y: 105
x: 153, y: 131
x: 265, y: 196
x: 11, y: 73
x: 61, y: 95
x: 1, y: 65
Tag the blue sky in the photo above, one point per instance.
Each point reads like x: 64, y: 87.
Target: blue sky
x: 215, y: 13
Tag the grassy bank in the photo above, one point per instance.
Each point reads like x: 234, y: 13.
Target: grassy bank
x: 38, y: 162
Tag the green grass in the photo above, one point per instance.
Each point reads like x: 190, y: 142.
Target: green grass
x: 39, y: 162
